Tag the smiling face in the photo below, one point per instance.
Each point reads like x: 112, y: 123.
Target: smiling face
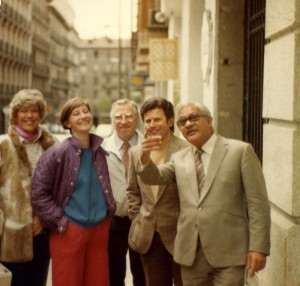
x: 28, y: 118
x: 80, y: 120
x: 197, y: 132
x: 156, y: 122
x: 124, y: 119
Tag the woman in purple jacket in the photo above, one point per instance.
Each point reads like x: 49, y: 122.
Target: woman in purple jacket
x: 71, y: 193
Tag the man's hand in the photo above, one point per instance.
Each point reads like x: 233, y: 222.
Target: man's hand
x: 149, y: 143
x: 255, y: 261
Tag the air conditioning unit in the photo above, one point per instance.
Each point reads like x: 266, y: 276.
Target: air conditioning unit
x: 157, y: 19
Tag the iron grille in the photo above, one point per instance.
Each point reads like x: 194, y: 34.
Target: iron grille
x: 254, y: 67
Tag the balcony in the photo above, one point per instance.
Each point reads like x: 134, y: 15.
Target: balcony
x: 40, y: 16
x: 40, y: 70
x: 40, y: 43
x: 56, y: 60
x: 59, y: 83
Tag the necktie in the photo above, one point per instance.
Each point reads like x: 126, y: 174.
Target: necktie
x: 125, y: 156
x: 199, y: 169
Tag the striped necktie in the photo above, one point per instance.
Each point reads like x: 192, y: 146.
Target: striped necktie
x: 199, y: 169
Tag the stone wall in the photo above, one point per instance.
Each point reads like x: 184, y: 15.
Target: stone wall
x: 281, y: 161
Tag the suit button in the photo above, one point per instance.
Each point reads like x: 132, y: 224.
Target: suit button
x: 199, y: 209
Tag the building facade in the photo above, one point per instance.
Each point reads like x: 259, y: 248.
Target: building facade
x: 104, y: 67
x: 38, y: 49
x: 63, y: 55
x: 15, y: 52
x: 146, y: 26
x: 40, y: 45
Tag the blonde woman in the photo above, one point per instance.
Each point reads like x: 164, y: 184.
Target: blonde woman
x: 23, y: 240
x: 72, y: 194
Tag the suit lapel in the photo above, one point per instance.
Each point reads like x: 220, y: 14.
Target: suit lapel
x: 216, y: 159
x: 144, y: 188
x: 173, y: 147
x: 191, y: 176
x: 148, y: 193
x: 160, y: 191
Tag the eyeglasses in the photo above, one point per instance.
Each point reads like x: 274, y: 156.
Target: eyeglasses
x: 126, y: 117
x: 193, y: 117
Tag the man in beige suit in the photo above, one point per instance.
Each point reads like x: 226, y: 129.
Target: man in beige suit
x: 224, y: 222
x: 154, y: 210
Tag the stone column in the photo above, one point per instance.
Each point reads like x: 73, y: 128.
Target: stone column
x: 190, y: 63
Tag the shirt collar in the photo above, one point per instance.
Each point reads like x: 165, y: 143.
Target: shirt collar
x: 132, y: 141
x: 209, y: 145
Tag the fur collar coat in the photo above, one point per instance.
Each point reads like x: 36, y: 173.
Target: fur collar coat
x: 15, y: 187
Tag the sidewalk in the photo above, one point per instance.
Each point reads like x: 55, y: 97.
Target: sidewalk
x: 128, y: 280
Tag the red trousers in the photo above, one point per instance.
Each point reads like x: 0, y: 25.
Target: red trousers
x: 80, y: 256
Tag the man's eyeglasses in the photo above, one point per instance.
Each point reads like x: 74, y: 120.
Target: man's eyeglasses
x: 193, y: 117
x: 126, y: 117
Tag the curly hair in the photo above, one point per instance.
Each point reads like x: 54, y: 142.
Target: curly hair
x: 26, y: 97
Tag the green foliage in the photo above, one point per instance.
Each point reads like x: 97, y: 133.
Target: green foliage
x: 101, y: 104
x: 101, y: 109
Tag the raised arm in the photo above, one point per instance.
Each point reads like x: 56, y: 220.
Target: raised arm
x: 149, y: 143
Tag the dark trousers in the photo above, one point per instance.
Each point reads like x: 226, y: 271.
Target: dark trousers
x: 117, y: 250
x: 33, y: 273
x: 159, y: 265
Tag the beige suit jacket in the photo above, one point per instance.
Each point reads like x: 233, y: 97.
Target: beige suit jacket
x: 149, y: 215
x: 232, y: 214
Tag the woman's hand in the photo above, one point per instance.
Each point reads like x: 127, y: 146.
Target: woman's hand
x: 37, y: 227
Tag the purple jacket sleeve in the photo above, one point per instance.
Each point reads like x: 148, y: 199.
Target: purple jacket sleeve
x: 44, y: 188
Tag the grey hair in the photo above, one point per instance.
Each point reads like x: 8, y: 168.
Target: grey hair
x: 26, y: 97
x: 124, y: 101
x: 201, y: 108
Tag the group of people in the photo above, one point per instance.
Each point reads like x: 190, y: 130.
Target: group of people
x: 190, y: 211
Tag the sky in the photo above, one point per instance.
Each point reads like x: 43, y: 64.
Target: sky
x: 99, y: 18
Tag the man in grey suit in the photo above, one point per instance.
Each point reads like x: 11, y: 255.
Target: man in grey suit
x: 224, y: 222
x: 154, y: 210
